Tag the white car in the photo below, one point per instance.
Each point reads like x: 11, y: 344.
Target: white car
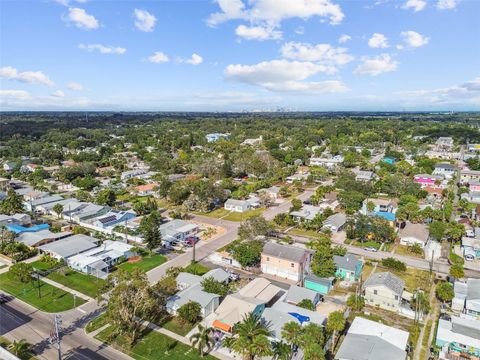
x: 469, y: 257
x: 372, y: 249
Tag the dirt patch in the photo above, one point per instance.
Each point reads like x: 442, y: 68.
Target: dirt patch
x: 134, y: 259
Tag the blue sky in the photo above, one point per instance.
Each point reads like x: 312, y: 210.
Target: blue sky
x: 230, y: 55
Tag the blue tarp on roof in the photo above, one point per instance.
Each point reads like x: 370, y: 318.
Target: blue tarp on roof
x: 18, y: 229
x: 386, y: 215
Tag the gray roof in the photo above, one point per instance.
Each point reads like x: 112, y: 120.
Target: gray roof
x: 33, y: 238
x: 69, y: 246
x: 45, y: 200
x: 193, y: 293
x: 337, y: 220
x: 348, y: 262
x: 319, y: 280
x: 466, y: 326
x: 188, y: 279
x: 296, y: 294
x: 387, y: 279
x: 418, y: 231
x: 445, y: 166
x: 217, y: 274
x: 284, y: 251
x: 368, y: 347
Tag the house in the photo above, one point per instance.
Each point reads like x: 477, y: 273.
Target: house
x: 296, y: 294
x: 297, y: 177
x: 113, y: 218
x: 472, y: 197
x: 474, y: 186
x: 413, y: 234
x: 458, y: 338
x: 185, y: 280
x: 335, y: 222
x: 348, y: 267
x: 329, y: 203
x: 370, y: 340
x: 252, y: 298
x: 283, y: 312
x: 130, y: 174
x: 307, y: 212
x: 83, y: 211
x: 48, y: 208
x: 469, y: 175
x: 328, y: 162
x: 9, y: 166
x: 425, y: 180
x: 242, y: 205
x: 273, y: 192
x: 32, y: 205
x: 253, y: 142
x: 384, y: 290
x: 69, y: 246
x: 446, y: 170
x: 40, y: 237
x: 444, y: 143
x: 15, y: 219
x: 467, y: 297
x: 318, y: 284
x: 176, y: 177
x: 176, y: 231
x: 379, y: 205
x: 364, y: 175
x: 146, y: 190
x: 97, y: 261
x: 216, y: 136
x: 432, y: 250
x: 471, y: 245
x: 224, y: 258
x: 4, y: 183
x: 285, y: 261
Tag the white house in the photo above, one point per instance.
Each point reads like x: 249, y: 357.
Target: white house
x: 327, y: 162
x: 241, y: 205
x: 445, y: 169
x: 307, y: 212
x: 176, y: 231
x: 414, y: 234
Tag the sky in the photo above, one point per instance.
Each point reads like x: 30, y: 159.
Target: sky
x: 240, y: 55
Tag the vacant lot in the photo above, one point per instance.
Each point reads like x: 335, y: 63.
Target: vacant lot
x: 86, y: 284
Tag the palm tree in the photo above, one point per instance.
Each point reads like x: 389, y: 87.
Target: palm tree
x: 282, y: 350
x: 335, y: 323
x: 291, y: 332
x: 313, y: 351
x: 19, y: 348
x: 250, y: 338
x: 203, y: 338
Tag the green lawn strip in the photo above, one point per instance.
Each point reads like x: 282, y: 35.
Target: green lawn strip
x: 302, y: 232
x: 96, y: 323
x: 404, y: 250
x: 147, y: 263
x: 365, y: 244
x: 236, y: 216
x: 196, y: 269
x: 52, y: 298
x: 84, y: 283
x: 40, y: 265
x: 152, y: 346
x: 426, y: 336
x: 217, y: 213
x: 4, y: 343
x: 178, y: 326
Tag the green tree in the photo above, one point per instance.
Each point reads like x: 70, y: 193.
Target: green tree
x: 394, y: 264
x: 306, y: 304
x: 291, y: 333
x: 150, y: 230
x: 190, y: 312
x: 253, y: 228
x: 296, y: 205
x: 250, y: 338
x: 437, y: 230
x: 12, y: 204
x: 282, y: 351
x: 106, y: 197
x: 202, y: 339
x: 21, y: 272
x: 356, y: 302
x: 247, y: 253
x: 20, y: 348
x: 456, y: 270
x: 335, y: 324
x: 322, y: 261
x: 166, y: 285
x: 444, y: 291
x: 58, y: 208
x: 210, y: 285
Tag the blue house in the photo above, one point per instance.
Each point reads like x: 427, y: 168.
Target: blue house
x: 349, y: 267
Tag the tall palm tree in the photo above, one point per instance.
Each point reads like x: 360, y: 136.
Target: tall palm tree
x: 19, y: 348
x: 282, y: 350
x: 203, y: 338
x: 335, y: 323
x: 250, y: 338
x: 291, y: 333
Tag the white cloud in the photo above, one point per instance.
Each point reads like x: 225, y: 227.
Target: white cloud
x: 231, y: 98
x: 284, y: 75
x: 416, y: 5
x: 81, y: 19
x: 344, y: 38
x: 58, y: 94
x: 413, y: 39
x: 447, y: 4
x: 75, y: 86
x: 269, y: 14
x: 103, y: 49
x: 14, y: 94
x: 322, y: 53
x: 260, y: 33
x: 144, y: 21
x: 158, y: 57
x: 195, y: 59
x: 376, y: 65
x: 31, y: 77
x: 378, y: 41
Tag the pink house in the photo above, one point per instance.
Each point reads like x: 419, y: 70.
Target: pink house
x: 426, y: 180
x: 474, y: 186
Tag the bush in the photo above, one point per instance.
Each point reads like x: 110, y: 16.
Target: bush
x: 356, y: 302
x: 394, y: 264
x: 190, y: 312
x: 306, y: 304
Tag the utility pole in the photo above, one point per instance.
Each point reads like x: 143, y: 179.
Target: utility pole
x: 55, y: 334
x: 194, y: 245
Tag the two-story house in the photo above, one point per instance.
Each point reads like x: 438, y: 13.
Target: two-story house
x: 285, y: 261
x: 348, y: 267
x: 446, y: 170
x: 384, y: 290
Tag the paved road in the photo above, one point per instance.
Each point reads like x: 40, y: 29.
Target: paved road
x: 19, y: 320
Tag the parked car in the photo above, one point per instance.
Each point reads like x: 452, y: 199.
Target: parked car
x: 233, y: 276
x: 469, y: 257
x: 190, y: 241
x: 370, y: 248
x: 5, y: 298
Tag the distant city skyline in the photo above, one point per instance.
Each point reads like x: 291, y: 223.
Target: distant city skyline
x: 234, y: 55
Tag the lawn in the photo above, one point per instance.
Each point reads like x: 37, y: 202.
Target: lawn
x: 4, y: 343
x: 96, y: 323
x: 177, y: 326
x: 236, y: 216
x: 86, y: 284
x: 365, y: 244
x: 196, y: 269
x: 414, y: 278
x: 217, y: 213
x: 366, y: 271
x: 152, y: 346
x: 302, y: 232
x: 41, y: 265
x: 147, y: 263
x: 404, y: 250
x: 52, y: 298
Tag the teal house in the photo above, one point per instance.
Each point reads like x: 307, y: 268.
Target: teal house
x: 459, y: 338
x: 320, y: 285
x: 349, y: 267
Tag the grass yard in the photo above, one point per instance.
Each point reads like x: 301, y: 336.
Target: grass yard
x: 53, y: 299
x: 404, y: 250
x: 4, y: 343
x: 152, y: 346
x: 86, y: 284
x: 41, y: 265
x: 217, y: 213
x: 365, y: 244
x: 231, y: 215
x: 196, y: 269
x: 178, y: 326
x: 366, y: 271
x: 145, y: 264
x: 96, y: 323
x: 414, y: 278
x: 302, y: 232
